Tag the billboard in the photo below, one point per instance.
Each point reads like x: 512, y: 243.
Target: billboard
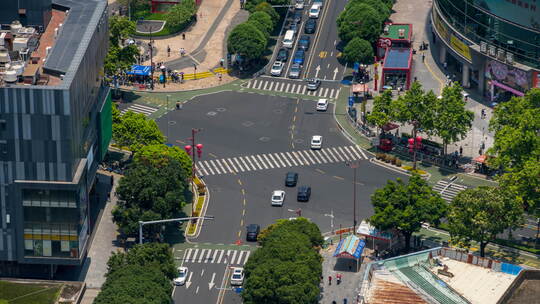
x: 522, y: 12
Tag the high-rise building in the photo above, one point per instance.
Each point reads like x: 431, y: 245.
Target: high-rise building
x: 55, y: 127
x: 491, y: 46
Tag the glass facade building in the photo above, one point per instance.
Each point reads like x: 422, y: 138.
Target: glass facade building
x: 495, y: 44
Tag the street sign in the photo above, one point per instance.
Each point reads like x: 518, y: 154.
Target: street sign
x: 356, y: 66
x: 351, y: 101
x: 238, y: 289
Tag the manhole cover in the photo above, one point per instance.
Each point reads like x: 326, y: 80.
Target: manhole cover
x: 264, y: 138
x: 221, y: 109
x: 247, y: 123
x: 211, y: 113
x: 298, y: 141
x: 278, y: 111
x: 332, y: 130
x: 172, y: 122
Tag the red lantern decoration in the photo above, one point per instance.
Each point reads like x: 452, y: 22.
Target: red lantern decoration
x: 188, y: 149
x: 418, y: 142
x: 199, y: 149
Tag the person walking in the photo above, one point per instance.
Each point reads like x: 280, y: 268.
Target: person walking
x: 168, y: 51
x: 329, y: 280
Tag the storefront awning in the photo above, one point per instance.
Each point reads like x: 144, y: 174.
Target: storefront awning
x: 369, y: 231
x: 360, y: 88
x: 350, y: 247
x: 139, y: 70
x: 481, y: 159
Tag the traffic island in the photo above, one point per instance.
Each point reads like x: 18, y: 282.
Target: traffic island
x: 200, y: 200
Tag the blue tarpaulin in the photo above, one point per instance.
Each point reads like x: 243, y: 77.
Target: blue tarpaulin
x: 350, y: 247
x: 510, y: 268
x: 140, y: 70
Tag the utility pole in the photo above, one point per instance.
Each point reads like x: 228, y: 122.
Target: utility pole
x: 354, y: 166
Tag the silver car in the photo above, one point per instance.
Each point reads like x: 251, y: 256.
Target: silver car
x: 277, y: 68
x: 295, y: 70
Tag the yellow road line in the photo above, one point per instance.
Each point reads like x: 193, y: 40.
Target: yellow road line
x: 241, y: 222
x: 243, y: 192
x: 243, y: 212
x: 244, y: 202
x: 435, y: 76
x: 294, y: 118
x: 239, y: 232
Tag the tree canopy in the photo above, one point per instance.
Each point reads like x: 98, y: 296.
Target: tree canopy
x: 181, y: 14
x: 262, y: 21
x: 358, y: 50
x: 287, y: 268
x: 157, y: 255
x: 405, y: 206
x: 159, y: 156
x: 247, y: 40
x: 480, y: 214
x: 382, y: 112
x: 361, y: 21
x: 267, y: 8
x: 119, y: 57
x: 452, y: 120
x: 135, y: 131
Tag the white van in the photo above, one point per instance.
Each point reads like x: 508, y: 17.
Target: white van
x: 288, y: 39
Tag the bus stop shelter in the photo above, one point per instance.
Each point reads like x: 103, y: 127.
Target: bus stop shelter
x: 350, y: 247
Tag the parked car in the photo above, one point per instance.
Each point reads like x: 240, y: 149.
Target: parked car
x: 295, y: 70
x: 304, y: 42
x: 282, y: 55
x: 310, y: 26
x: 277, y: 68
x: 293, y: 27
x: 299, y: 57
x: 181, y: 278
x: 252, y: 232
x: 316, y: 142
x: 314, y: 11
x: 278, y: 197
x: 304, y: 193
x: 318, y: 2
x: 297, y: 17
x: 291, y: 178
x: 237, y: 276
x: 313, y: 84
x: 322, y: 104
x: 299, y: 4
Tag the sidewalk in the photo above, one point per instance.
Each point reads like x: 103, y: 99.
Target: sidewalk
x: 103, y: 244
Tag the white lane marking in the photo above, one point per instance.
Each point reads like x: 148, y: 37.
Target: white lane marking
x: 332, y: 154
x: 214, y: 256
x: 256, y: 163
x: 325, y: 92
x: 281, y: 88
x: 306, y: 162
x: 228, y: 257
x: 265, y: 85
x: 215, y: 167
x: 315, y: 156
x: 304, y: 90
x: 285, y: 158
x: 233, y: 257
x: 208, y: 256
x: 260, y: 85
x: 188, y: 255
x: 271, y: 85
x: 232, y: 165
x: 201, y: 257
x: 239, y: 260
x: 293, y: 161
x: 293, y: 87
x: 246, y: 165
x: 220, y: 256
x: 278, y: 158
x: 195, y: 255
x: 239, y: 165
x: 197, y: 290
x: 350, y: 155
x: 188, y: 283
x: 251, y: 83
x: 361, y: 151
x: 331, y: 93
x: 273, y: 160
x: 356, y: 153
x: 287, y: 88
x: 268, y: 161
x: 202, y: 169
x: 295, y: 158
x: 262, y: 161
x: 209, y: 168
x: 327, y: 155
x: 299, y: 88
x: 227, y: 165
x: 337, y: 153
x: 247, y: 257
x: 321, y: 156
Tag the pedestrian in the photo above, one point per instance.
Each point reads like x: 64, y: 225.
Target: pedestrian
x: 183, y: 36
x: 423, y: 57
x: 168, y: 51
x: 222, y: 62
x: 483, y: 113
x: 338, y: 278
x: 445, y: 65
x: 219, y: 76
x: 178, y: 105
x: 329, y: 280
x: 345, y: 301
x: 460, y: 151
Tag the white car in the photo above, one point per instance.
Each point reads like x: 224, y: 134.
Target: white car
x: 322, y: 104
x: 278, y: 197
x: 316, y: 142
x: 314, y: 11
x: 299, y: 4
x: 182, y: 275
x: 277, y: 68
x: 237, y: 277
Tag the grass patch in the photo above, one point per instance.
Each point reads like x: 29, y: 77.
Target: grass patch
x: 520, y: 246
x: 17, y: 293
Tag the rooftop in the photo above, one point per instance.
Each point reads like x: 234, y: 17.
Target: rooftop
x: 392, y: 31
x: 398, y: 58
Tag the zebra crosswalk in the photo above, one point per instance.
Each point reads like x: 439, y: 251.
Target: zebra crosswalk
x: 137, y: 108
x: 448, y: 192
x: 280, y: 160
x: 291, y: 87
x: 216, y: 256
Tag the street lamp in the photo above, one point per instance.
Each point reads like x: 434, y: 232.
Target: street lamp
x: 189, y: 151
x: 331, y: 216
x: 414, y: 143
x: 354, y: 166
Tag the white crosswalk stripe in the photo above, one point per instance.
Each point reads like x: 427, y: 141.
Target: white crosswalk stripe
x: 448, y: 192
x: 139, y: 109
x: 216, y: 256
x: 281, y: 160
x: 288, y: 87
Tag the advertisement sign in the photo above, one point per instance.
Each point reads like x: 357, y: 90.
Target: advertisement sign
x: 460, y: 47
x: 508, y: 75
x: 441, y: 27
x: 536, y: 79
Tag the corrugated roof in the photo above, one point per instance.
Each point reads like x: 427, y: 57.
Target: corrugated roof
x: 351, y: 246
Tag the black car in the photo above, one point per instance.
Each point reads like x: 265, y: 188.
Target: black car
x: 290, y: 179
x: 282, y: 55
x: 311, y: 26
x: 304, y: 192
x: 252, y: 231
x: 304, y: 42
x: 297, y: 17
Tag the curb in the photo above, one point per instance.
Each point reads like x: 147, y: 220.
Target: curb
x: 398, y: 169
x: 199, y: 223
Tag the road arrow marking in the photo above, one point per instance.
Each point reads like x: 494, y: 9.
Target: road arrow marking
x: 197, y: 290
x: 211, y: 284
x: 188, y: 283
x: 202, y: 272
x: 317, y: 69
x: 335, y: 73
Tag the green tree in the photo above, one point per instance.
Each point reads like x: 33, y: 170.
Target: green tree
x: 405, y: 206
x: 382, y: 112
x: 119, y: 57
x: 267, y: 8
x: 247, y: 40
x: 149, y: 192
x: 379, y: 6
x: 358, y: 50
x: 135, y: 284
x: 263, y: 22
x: 180, y: 14
x: 452, y: 120
x: 120, y: 28
x: 416, y: 108
x: 361, y: 21
x: 156, y: 255
x: 135, y: 131
x: 480, y: 214
x: 159, y: 156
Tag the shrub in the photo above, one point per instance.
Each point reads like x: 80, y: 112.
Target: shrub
x: 398, y: 162
x: 379, y: 155
x: 389, y: 158
x: 393, y: 160
x: 181, y: 15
